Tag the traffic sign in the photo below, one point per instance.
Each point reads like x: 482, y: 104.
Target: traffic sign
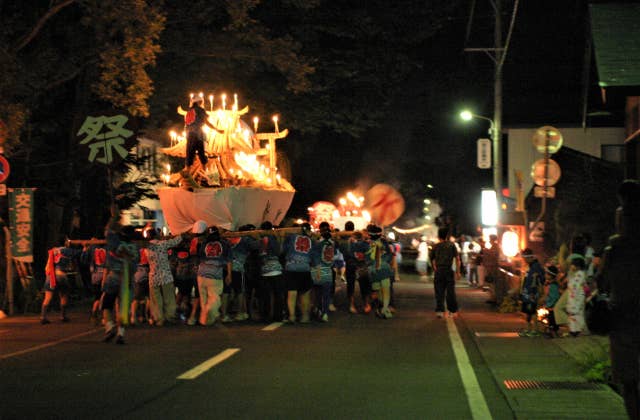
x: 547, y: 139
x: 553, y: 172
x: 4, y: 169
x: 484, y: 153
x: 538, y: 192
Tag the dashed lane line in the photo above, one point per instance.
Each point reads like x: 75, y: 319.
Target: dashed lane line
x: 44, y: 346
x: 273, y: 326
x: 477, y: 402
x: 208, y: 364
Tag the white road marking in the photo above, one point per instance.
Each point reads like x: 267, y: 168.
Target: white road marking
x: 205, y: 366
x: 477, y: 403
x: 272, y: 326
x: 44, y: 346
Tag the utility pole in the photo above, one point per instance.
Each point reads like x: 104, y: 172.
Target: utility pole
x: 497, y: 101
x: 496, y: 53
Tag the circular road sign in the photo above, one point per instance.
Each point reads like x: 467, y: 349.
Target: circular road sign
x: 553, y: 172
x: 4, y: 169
x: 547, y: 137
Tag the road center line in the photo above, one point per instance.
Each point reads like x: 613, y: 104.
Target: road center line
x: 477, y: 403
x: 272, y: 326
x: 205, y: 366
x: 44, y: 346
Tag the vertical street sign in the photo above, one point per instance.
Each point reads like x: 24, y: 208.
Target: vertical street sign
x: 21, y: 223
x: 484, y: 153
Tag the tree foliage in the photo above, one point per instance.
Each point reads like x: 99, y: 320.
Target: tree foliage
x: 330, y: 68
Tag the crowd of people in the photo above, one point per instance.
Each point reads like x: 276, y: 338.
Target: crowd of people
x: 206, y: 275
x: 289, y: 275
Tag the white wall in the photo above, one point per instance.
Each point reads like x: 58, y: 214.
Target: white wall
x: 522, y: 153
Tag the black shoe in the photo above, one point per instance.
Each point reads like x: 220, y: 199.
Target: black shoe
x: 45, y: 321
x: 120, y: 340
x: 65, y: 319
x: 109, y: 335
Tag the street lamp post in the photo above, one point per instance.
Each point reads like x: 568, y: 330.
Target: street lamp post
x: 495, y: 147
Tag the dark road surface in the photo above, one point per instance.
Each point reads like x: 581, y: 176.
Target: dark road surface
x: 355, y: 366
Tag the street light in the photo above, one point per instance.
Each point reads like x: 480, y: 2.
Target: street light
x: 467, y: 115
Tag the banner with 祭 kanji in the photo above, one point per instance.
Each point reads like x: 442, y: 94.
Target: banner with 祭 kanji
x: 106, y: 138
x: 21, y: 223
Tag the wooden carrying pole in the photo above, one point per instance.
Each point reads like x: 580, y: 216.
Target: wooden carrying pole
x: 227, y: 234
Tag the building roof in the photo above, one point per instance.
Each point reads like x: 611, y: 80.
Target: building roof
x: 615, y: 28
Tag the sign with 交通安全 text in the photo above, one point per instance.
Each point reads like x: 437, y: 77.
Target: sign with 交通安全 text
x: 21, y: 223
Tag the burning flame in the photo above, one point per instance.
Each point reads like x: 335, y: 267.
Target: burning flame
x: 543, y: 315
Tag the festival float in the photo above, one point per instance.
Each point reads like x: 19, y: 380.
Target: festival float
x: 381, y: 204
x: 239, y: 185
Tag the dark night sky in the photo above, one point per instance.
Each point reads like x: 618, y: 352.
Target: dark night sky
x: 423, y: 141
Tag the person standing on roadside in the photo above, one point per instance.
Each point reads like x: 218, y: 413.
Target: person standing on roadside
x: 444, y: 257
x: 422, y: 260
x: 490, y: 255
x: 531, y: 291
x: 619, y: 276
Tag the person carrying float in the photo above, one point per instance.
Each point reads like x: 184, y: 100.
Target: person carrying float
x: 62, y: 261
x: 379, y: 261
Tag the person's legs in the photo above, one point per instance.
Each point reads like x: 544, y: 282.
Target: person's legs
x: 134, y: 312
x: 325, y: 299
x: 108, y: 307
x: 204, y: 299
x: 279, y: 292
x: 351, y: 288
x: 385, y: 297
x: 292, y: 298
x: 332, y: 291
x: 191, y: 149
x: 439, y: 286
x: 292, y: 294
x: 452, y: 301
x: 216, y: 288
x: 365, y: 291
x: 199, y: 146
x: 48, y: 296
x: 64, y: 300
x: 169, y: 302
x: 157, y: 310
x: 305, y: 306
x: 224, y: 308
x: 239, y: 288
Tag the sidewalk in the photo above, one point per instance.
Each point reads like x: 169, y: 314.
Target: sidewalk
x: 541, y: 378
